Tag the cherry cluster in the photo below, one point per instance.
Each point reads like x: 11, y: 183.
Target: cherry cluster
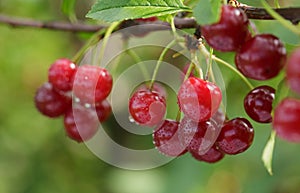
x: 202, y: 131
x: 89, y: 85
x: 260, y: 57
x: 79, y: 93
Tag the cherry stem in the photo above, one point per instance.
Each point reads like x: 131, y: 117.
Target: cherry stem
x: 276, y: 3
x: 196, y: 65
x: 209, y: 65
x: 207, y: 55
x: 173, y: 27
x: 93, y: 40
x: 137, y: 59
x: 108, y: 32
x: 162, y: 55
x: 234, y: 70
x: 189, y: 71
x: 280, y: 19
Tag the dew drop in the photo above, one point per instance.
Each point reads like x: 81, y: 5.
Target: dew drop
x: 87, y: 105
x: 77, y: 100
x: 131, y: 120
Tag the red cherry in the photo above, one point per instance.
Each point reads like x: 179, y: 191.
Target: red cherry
x: 156, y: 87
x: 213, y: 155
x: 199, y: 99
x: 81, y: 123
x: 50, y: 102
x: 92, y: 84
x: 230, y: 32
x: 61, y: 73
x: 236, y: 136
x: 198, y: 137
x: 293, y: 70
x: 103, y: 110
x: 147, y: 108
x: 262, y: 57
x: 165, y: 138
x: 258, y: 103
x: 287, y: 120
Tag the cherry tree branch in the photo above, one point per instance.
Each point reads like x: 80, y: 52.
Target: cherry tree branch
x: 292, y: 14
x: 62, y: 26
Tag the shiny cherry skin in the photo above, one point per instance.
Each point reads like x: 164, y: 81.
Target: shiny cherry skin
x: 198, y: 137
x: 199, y: 99
x: 258, y: 103
x: 261, y: 58
x: 230, y: 32
x: 157, y: 87
x: 50, y: 102
x: 213, y: 155
x: 165, y: 139
x: 81, y: 123
x: 147, y: 108
x: 236, y: 136
x: 103, y: 110
x: 61, y: 74
x: 92, y: 84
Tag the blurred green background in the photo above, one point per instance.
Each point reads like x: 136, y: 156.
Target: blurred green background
x: 36, y: 156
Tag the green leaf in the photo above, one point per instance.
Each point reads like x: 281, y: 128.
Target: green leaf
x: 267, y: 155
x: 68, y: 8
x: 207, y: 11
x: 119, y: 10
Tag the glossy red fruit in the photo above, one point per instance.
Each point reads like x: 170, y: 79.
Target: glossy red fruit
x: 92, y: 84
x: 287, y: 120
x: 213, y: 155
x: 236, y: 136
x: 157, y: 87
x: 147, y: 108
x: 103, y: 110
x: 230, y: 32
x: 198, y: 137
x: 61, y: 74
x: 50, y: 102
x: 165, y: 139
x: 81, y: 123
x: 258, y: 104
x: 261, y: 58
x: 293, y: 70
x: 199, y: 99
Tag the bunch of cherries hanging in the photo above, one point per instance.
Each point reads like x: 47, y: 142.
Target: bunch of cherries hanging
x: 204, y: 131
